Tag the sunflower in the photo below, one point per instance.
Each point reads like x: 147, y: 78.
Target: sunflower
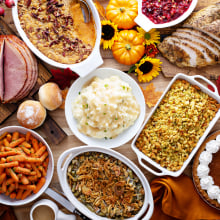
x: 151, y: 37
x: 109, y: 33
x: 147, y: 68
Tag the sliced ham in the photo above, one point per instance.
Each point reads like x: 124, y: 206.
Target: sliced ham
x: 15, y: 71
x: 33, y: 62
x: 1, y: 69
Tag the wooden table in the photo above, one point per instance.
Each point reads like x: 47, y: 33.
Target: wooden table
x: 71, y: 141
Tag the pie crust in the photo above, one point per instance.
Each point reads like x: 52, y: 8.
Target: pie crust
x: 214, y: 166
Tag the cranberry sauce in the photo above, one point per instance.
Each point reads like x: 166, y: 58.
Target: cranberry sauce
x: 163, y: 11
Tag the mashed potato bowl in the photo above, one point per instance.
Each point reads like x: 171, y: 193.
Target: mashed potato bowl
x: 123, y: 137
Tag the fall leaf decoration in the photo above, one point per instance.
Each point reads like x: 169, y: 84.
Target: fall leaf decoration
x: 150, y: 95
x: 217, y: 85
x: 63, y: 78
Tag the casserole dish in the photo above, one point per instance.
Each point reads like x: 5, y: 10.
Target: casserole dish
x: 62, y: 167
x: 123, y: 137
x: 82, y: 68
x: 162, y: 170
x: 6, y: 200
x: 144, y: 22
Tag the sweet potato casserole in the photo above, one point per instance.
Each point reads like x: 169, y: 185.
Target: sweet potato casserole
x: 177, y: 125
x: 57, y: 29
x: 105, y: 185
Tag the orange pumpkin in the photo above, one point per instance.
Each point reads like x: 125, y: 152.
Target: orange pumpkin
x: 129, y: 48
x: 122, y: 13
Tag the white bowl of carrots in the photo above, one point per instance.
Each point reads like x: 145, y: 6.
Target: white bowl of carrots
x: 26, y: 165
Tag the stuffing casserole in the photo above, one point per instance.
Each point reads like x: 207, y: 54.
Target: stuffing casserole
x: 105, y: 185
x: 177, y: 125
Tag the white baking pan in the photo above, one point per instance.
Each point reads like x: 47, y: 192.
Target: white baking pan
x: 63, y: 163
x: 83, y: 68
x: 154, y: 167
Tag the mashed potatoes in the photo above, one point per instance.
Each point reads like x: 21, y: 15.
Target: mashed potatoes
x: 105, y: 108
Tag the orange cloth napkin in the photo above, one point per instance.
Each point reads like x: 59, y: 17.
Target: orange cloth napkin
x: 7, y: 213
x: 177, y: 198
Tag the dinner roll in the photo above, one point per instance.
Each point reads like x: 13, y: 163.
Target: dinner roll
x: 31, y: 114
x: 50, y: 96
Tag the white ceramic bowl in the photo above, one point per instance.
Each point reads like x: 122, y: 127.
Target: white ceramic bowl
x: 126, y: 135
x: 83, y: 68
x: 154, y: 167
x: 144, y: 22
x: 67, y: 156
x: 6, y: 200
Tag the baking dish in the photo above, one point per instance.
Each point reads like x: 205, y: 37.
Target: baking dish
x: 154, y: 167
x: 67, y: 156
x: 147, y: 24
x: 6, y: 200
x: 83, y: 68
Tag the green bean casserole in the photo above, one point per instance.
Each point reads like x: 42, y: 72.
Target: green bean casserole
x: 105, y: 185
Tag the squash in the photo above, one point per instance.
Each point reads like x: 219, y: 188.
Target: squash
x: 122, y: 13
x: 129, y: 48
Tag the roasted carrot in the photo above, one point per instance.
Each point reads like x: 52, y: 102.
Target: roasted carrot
x: 15, y: 135
x: 2, y: 177
x: 19, y: 158
x: 13, y: 175
x: 10, y: 189
x: 22, y: 170
x: 28, y: 135
x: 33, y: 178
x: 16, y: 142
x: 42, y: 170
x: 13, y: 195
x: 27, y: 151
x: 44, y: 156
x: 27, y: 187
x: 38, y: 173
x: 25, y: 194
x: 40, y: 151
x: 5, y: 142
x: 25, y: 144
x: 39, y: 184
x: 9, y: 138
x: 12, y: 164
x: 9, y: 181
x: 35, y: 144
x: 4, y: 187
x: 24, y: 180
x: 19, y: 193
x: 33, y: 160
x: 7, y: 153
x: 3, y: 135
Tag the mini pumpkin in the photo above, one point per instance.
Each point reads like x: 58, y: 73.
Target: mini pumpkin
x: 122, y: 13
x: 129, y: 48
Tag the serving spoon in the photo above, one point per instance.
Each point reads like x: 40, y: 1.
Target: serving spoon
x: 85, y: 10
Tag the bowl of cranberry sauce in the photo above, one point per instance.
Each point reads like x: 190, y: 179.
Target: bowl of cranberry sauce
x: 163, y: 13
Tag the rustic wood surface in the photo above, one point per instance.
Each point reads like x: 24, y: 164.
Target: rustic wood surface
x: 71, y: 141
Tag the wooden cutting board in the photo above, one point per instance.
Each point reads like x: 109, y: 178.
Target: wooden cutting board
x: 51, y: 129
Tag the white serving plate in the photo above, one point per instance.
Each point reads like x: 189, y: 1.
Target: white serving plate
x: 121, y: 138
x: 155, y: 168
x: 83, y: 68
x: 147, y: 24
x: 6, y: 200
x: 67, y: 156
